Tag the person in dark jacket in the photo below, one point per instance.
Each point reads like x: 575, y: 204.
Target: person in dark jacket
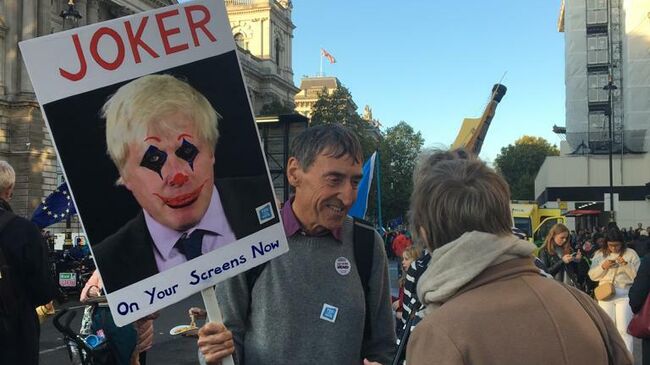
x: 638, y: 293
x: 561, y: 261
x: 641, y: 244
x: 30, y: 279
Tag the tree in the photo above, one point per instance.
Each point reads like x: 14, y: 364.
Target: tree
x: 399, y: 150
x: 338, y: 107
x: 276, y: 107
x: 519, y: 164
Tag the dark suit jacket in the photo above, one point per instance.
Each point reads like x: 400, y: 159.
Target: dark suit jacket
x: 126, y: 256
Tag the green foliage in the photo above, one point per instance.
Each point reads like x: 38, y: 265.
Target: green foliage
x: 339, y: 107
x: 519, y: 164
x: 276, y: 108
x: 399, y: 150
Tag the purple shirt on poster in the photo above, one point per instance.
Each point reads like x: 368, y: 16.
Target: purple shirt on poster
x: 214, y: 221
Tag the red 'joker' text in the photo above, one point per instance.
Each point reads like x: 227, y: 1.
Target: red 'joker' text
x: 197, y: 16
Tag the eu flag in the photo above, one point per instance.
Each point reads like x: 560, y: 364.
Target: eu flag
x: 55, y: 208
x: 360, y: 206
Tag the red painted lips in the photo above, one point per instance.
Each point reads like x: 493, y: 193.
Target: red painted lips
x: 183, y: 200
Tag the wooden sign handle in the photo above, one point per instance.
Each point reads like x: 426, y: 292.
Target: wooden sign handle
x: 214, y: 314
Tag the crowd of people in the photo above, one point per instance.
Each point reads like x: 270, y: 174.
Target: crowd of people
x: 472, y: 291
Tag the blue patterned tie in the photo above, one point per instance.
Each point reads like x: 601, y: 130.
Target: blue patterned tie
x: 190, y: 246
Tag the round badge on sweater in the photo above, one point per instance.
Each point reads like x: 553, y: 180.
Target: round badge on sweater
x: 342, y: 266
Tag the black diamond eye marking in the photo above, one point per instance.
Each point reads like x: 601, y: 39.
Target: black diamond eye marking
x: 154, y: 159
x: 187, y: 152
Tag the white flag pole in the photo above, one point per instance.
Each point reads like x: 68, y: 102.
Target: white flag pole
x: 214, y: 314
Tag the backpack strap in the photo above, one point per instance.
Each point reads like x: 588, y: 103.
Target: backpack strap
x: 364, y: 242
x: 253, y: 274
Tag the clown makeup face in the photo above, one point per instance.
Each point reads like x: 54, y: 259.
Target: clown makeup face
x: 170, y: 173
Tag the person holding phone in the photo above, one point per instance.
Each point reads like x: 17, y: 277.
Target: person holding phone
x: 616, y: 264
x: 560, y: 260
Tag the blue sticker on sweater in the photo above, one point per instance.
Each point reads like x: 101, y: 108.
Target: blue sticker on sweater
x: 329, y: 313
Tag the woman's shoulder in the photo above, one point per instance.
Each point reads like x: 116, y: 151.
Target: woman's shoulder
x: 630, y: 253
x: 598, y: 255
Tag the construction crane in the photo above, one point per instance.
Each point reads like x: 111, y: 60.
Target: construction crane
x: 473, y: 130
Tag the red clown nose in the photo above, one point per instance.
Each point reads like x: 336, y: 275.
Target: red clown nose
x: 179, y: 179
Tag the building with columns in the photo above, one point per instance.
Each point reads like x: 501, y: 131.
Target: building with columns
x: 310, y: 90
x: 263, y: 31
x: 262, y: 28
x: 24, y: 139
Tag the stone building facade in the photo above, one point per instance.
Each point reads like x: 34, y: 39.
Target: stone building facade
x: 24, y: 139
x: 262, y: 28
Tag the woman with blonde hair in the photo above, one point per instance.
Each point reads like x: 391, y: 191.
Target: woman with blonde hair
x: 560, y: 260
x: 409, y: 255
x: 482, y: 292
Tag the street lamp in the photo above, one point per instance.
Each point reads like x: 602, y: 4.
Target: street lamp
x: 609, y: 87
x: 71, y: 14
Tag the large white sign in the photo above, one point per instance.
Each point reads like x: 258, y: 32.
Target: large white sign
x: 150, y: 117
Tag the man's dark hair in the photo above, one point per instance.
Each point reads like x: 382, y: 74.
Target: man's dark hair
x: 334, y: 140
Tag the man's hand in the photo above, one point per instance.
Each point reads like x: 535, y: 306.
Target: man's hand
x: 368, y: 362
x: 197, y: 313
x: 215, y: 342
x: 94, y: 291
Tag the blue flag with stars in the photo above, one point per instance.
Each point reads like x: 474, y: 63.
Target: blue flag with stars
x: 55, y: 208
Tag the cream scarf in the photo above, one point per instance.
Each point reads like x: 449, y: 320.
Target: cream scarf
x: 458, y: 262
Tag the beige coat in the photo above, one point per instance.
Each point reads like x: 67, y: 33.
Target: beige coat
x: 510, y: 314
x: 625, y: 274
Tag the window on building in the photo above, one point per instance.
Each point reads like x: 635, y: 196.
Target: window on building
x: 597, y: 49
x: 239, y: 39
x: 596, y: 12
x: 277, y: 52
x: 597, y: 81
x: 598, y: 132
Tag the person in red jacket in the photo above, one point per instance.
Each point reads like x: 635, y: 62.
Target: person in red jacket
x: 401, y: 243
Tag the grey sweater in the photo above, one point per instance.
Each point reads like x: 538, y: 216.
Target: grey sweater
x: 279, y: 322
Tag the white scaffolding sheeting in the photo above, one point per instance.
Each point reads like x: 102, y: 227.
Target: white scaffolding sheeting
x: 604, y: 35
x: 636, y: 65
x: 575, y: 35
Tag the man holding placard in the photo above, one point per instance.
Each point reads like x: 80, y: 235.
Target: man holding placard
x: 311, y: 305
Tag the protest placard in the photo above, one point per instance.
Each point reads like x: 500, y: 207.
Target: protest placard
x: 150, y: 118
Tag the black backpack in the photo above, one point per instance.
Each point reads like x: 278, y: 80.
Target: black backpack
x: 10, y: 298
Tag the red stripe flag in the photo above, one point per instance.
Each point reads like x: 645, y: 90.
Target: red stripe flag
x: 327, y: 55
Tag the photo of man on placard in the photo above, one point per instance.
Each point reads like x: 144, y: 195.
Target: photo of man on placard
x: 161, y: 134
